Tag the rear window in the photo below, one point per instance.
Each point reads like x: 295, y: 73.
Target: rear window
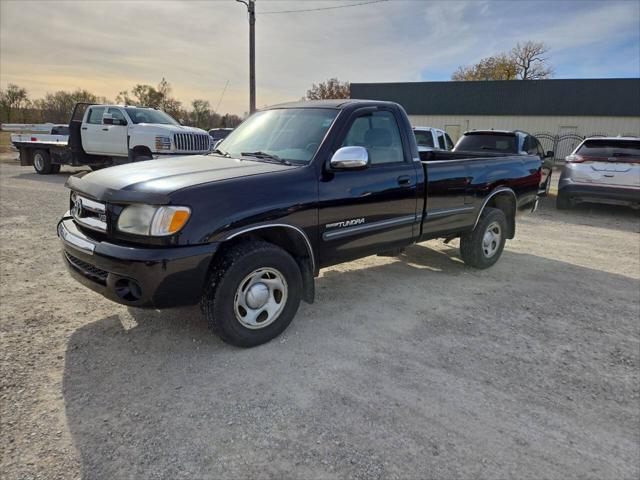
x: 423, y: 139
x: 492, y: 142
x: 610, y: 148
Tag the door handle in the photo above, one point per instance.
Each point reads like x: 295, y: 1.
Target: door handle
x: 84, y: 128
x: 105, y: 129
x: 404, y: 180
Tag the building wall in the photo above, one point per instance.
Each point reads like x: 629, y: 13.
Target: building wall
x: 455, y: 125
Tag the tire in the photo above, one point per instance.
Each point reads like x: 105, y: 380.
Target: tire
x: 483, y: 246
x: 563, y: 202
x: 236, y: 281
x: 55, y: 168
x: 42, y: 162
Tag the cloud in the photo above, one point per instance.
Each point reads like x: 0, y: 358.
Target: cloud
x: 199, y: 46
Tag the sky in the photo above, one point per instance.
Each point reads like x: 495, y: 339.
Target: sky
x: 106, y: 46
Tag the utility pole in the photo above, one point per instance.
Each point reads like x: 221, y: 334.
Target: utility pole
x: 251, y: 8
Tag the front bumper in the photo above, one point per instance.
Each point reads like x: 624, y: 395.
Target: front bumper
x: 599, y: 193
x: 136, y: 276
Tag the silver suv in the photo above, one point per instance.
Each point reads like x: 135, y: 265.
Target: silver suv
x: 602, y: 170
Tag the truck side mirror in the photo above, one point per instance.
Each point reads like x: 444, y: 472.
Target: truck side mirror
x: 107, y: 119
x: 350, y: 158
x: 549, y: 154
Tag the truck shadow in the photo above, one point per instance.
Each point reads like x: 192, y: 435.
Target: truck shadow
x: 56, y: 178
x: 391, y: 344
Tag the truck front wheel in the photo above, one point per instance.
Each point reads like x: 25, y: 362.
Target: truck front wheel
x: 482, y: 247
x: 253, y: 293
x: 42, y: 162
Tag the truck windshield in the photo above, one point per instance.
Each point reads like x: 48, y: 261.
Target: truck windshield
x: 148, y: 115
x: 492, y: 142
x: 292, y: 134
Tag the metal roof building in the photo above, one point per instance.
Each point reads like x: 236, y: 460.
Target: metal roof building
x: 549, y: 108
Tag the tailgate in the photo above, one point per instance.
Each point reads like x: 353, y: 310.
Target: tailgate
x: 609, y: 173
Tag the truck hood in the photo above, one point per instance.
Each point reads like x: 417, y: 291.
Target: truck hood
x: 152, y: 181
x: 163, y: 128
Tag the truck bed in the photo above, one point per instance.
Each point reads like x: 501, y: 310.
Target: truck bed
x: 35, y: 139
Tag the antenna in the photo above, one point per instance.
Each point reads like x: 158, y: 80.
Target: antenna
x: 221, y: 96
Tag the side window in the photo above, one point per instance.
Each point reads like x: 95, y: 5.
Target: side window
x: 448, y: 140
x: 441, y: 142
x: 95, y: 115
x: 541, y: 151
x: 531, y: 145
x: 378, y: 132
x: 117, y: 113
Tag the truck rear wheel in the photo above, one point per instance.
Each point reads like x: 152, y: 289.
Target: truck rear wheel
x: 42, y: 162
x: 482, y: 247
x: 253, y: 293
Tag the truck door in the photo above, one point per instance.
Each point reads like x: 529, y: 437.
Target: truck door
x: 372, y: 209
x: 115, y: 136
x: 91, y: 131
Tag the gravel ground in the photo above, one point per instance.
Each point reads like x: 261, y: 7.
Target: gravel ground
x: 408, y: 367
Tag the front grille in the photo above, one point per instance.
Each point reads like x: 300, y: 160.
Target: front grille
x: 90, y: 271
x: 191, y: 142
x: 89, y: 213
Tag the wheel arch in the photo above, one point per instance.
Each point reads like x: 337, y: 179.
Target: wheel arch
x: 139, y: 150
x: 505, y: 199
x: 291, y: 239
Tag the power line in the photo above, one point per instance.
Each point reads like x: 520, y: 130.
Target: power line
x: 272, y: 12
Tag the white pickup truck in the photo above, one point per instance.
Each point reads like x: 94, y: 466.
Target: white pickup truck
x: 429, y: 138
x: 104, y: 135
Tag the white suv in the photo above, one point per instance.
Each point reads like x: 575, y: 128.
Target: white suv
x: 429, y: 139
x: 602, y: 170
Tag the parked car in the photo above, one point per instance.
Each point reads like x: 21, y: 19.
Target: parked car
x: 602, y: 170
x: 512, y: 142
x: 218, y: 134
x: 429, y: 138
x: 315, y: 184
x: 104, y: 135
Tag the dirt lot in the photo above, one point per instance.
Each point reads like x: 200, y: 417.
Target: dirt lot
x: 409, y: 367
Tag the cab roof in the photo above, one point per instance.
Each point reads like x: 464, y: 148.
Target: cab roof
x: 339, y: 103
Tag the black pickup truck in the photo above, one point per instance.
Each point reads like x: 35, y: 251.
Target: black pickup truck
x: 295, y: 188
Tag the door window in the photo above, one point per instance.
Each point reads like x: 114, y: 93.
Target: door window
x: 95, y: 115
x: 532, y: 146
x: 448, y: 141
x: 441, y: 142
x: 116, y: 113
x: 378, y: 132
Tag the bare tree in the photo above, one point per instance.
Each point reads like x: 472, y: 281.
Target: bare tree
x: 526, y: 61
x: 12, y: 99
x: 332, y: 88
x: 497, y: 67
x: 532, y: 60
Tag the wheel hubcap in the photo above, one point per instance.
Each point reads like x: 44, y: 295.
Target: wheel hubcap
x: 491, y: 240
x: 37, y: 159
x: 260, y: 298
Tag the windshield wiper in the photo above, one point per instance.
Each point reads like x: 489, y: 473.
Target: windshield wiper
x: 219, y: 152
x: 266, y: 156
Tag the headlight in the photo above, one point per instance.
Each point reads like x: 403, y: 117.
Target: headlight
x: 163, y: 143
x: 154, y: 221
